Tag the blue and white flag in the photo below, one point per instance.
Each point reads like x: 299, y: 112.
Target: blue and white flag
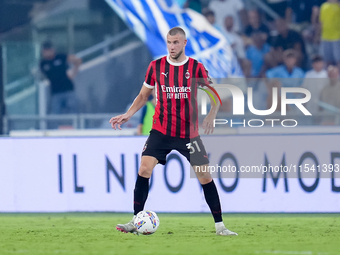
x: 152, y: 19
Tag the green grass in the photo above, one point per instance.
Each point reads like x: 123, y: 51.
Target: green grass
x: 94, y: 233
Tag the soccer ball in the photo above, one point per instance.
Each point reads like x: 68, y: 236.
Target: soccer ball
x: 146, y: 222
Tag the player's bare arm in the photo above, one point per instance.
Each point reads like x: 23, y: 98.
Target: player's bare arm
x: 208, y: 123
x: 138, y: 103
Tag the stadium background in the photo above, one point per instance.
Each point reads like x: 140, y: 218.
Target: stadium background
x: 76, y: 163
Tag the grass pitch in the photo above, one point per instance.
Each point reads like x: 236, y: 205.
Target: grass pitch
x: 95, y: 233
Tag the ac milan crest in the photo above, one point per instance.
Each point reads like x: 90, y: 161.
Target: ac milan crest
x: 187, y: 74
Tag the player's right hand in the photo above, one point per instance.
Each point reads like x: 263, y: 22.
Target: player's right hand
x: 119, y: 120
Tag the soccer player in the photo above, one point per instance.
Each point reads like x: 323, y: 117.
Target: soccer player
x: 175, y: 124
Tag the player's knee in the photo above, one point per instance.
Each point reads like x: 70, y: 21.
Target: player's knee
x: 200, y: 173
x: 204, y: 181
x: 204, y: 177
x: 145, y: 171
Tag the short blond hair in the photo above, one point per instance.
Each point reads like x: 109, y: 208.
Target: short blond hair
x: 177, y: 30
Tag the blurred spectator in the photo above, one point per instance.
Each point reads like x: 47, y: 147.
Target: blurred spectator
x: 331, y: 93
x: 330, y: 37
x: 318, y: 70
x: 259, y: 90
x: 55, y: 67
x: 234, y: 8
x: 286, y: 75
x: 148, y: 111
x: 316, y: 11
x: 290, y: 39
x: 234, y: 39
x: 256, y: 53
x: 315, y: 81
x: 260, y: 93
x: 311, y: 37
x: 287, y: 70
x: 255, y: 24
x: 273, y: 58
x: 195, y: 5
x: 210, y: 16
x: 279, y: 6
x: 300, y: 11
x: 312, y: 33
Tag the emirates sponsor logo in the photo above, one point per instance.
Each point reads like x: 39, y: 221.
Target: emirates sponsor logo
x: 176, y: 92
x: 175, y: 89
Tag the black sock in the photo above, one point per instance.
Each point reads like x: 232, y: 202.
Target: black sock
x: 140, y: 194
x: 213, y: 200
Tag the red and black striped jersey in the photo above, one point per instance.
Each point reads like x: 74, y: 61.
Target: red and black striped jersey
x: 176, y: 87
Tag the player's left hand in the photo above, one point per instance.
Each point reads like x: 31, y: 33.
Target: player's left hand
x: 119, y: 120
x: 208, y: 124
